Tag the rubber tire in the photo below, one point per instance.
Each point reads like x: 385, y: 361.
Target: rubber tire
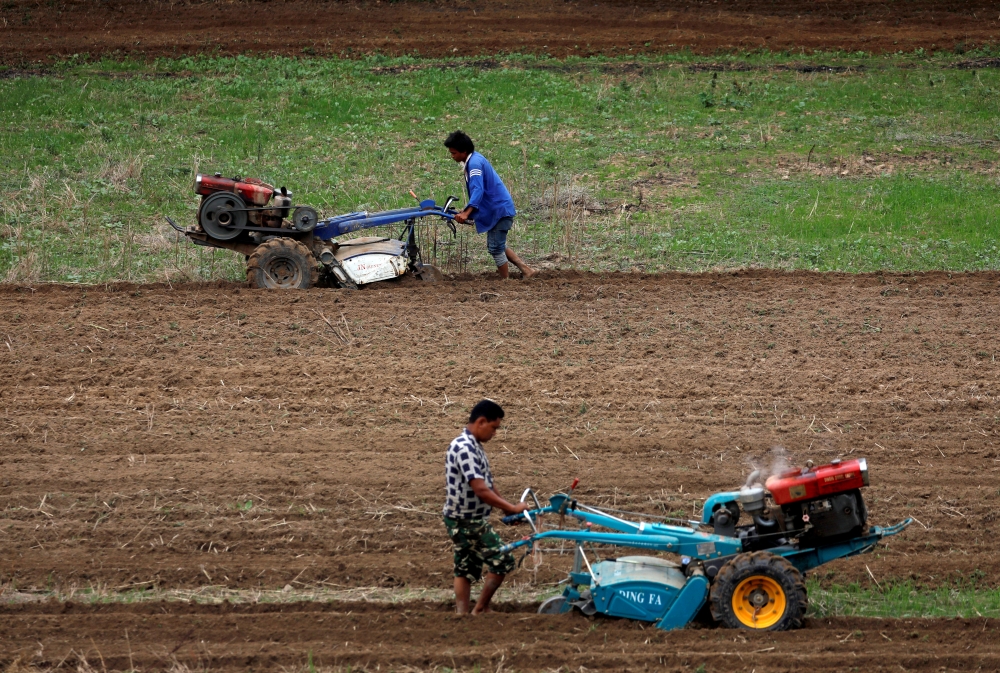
x: 760, y: 563
x: 287, y: 251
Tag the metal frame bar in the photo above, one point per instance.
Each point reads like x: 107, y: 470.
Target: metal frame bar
x: 344, y: 224
x: 681, y: 540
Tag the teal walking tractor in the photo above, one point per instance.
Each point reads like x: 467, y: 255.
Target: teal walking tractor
x: 745, y: 559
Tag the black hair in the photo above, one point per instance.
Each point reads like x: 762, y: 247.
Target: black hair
x: 487, y: 409
x: 458, y: 140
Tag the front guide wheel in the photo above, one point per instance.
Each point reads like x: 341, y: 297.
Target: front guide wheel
x: 759, y: 591
x: 282, y: 264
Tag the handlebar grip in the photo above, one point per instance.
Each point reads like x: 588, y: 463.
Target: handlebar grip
x: 512, y: 518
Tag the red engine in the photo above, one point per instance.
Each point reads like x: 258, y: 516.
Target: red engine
x: 230, y: 205
x: 252, y: 190
x: 808, y: 484
x: 822, y: 502
x: 815, y: 505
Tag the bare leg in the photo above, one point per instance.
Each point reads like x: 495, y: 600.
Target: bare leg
x: 462, y: 595
x: 504, y: 270
x: 526, y: 270
x: 490, y: 586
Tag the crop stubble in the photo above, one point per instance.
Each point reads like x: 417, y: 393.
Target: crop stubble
x: 194, y: 435
x: 269, y: 450
x: 414, y: 637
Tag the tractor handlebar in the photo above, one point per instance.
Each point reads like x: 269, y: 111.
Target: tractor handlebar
x: 511, y: 519
x: 557, y: 505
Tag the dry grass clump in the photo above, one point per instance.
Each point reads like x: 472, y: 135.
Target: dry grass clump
x: 77, y: 661
x: 123, y: 170
x: 161, y: 238
x: 80, y: 664
x: 29, y: 217
x: 213, y: 594
x: 27, y: 268
x: 566, y: 195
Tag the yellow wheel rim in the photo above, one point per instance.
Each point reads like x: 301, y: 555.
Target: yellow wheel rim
x: 759, y: 602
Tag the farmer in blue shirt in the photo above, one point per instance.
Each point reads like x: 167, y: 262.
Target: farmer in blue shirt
x: 489, y: 205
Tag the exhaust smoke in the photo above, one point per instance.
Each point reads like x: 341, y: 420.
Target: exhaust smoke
x: 775, y: 462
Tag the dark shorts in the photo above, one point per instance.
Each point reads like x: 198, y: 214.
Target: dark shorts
x: 475, y: 543
x: 496, y: 240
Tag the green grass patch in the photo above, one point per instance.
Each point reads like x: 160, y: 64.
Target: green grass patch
x: 863, y: 164
x: 902, y: 601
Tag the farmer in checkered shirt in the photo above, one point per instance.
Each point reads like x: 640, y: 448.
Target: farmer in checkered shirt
x: 469, y: 498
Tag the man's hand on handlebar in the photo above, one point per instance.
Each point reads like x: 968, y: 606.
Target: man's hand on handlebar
x: 518, y: 508
x: 464, y: 216
x: 494, y: 499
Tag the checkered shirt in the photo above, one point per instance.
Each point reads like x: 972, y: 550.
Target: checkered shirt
x: 464, y: 462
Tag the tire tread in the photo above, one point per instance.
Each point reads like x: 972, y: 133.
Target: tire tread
x: 254, y: 261
x: 759, y: 563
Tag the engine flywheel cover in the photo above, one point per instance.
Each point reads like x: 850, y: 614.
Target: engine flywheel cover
x: 223, y: 216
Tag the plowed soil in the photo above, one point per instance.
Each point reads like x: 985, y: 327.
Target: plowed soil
x: 182, y: 436
x: 415, y: 636
x: 33, y: 31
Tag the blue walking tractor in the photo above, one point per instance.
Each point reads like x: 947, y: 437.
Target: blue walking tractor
x: 289, y: 247
x: 746, y: 558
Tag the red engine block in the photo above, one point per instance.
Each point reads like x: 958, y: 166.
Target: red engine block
x: 805, y: 484
x: 254, y: 191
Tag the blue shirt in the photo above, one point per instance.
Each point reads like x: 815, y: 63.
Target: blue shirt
x: 487, y: 193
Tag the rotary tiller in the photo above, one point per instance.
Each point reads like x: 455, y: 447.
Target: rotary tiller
x: 750, y: 574
x: 288, y: 246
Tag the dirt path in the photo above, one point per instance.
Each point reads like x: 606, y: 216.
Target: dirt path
x: 422, y: 636
x: 201, y: 435
x: 32, y: 31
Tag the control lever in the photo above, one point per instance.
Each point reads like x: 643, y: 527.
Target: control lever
x: 450, y: 221
x: 527, y: 515
x: 569, y: 499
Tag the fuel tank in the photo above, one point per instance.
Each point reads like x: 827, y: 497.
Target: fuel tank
x: 253, y: 191
x: 811, y: 483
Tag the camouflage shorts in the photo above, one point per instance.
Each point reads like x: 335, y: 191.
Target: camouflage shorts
x: 475, y: 544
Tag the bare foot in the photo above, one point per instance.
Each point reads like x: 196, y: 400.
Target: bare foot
x: 530, y: 273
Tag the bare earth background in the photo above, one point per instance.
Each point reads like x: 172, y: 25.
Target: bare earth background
x: 207, y: 437
x: 195, y: 436
x: 35, y: 31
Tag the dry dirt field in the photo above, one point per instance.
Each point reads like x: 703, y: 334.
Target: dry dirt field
x: 189, y: 436
x: 207, y: 437
x: 35, y: 30
x: 414, y: 637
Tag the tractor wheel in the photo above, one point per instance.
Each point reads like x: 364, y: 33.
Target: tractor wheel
x: 759, y: 591
x: 282, y: 264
